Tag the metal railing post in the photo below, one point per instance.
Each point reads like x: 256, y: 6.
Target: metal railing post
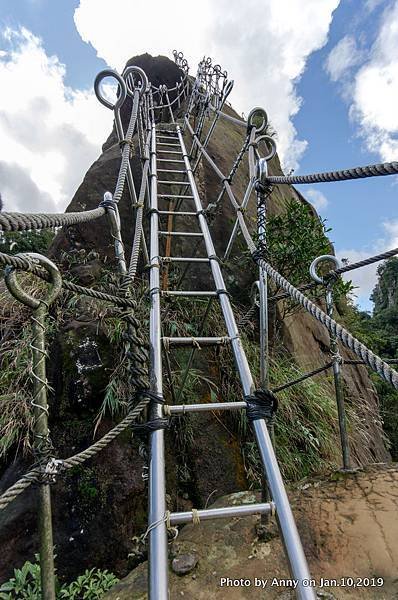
x: 345, y: 447
x: 42, y: 442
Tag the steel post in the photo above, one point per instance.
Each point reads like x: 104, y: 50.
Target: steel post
x: 47, y: 570
x: 345, y: 446
x: 158, y: 551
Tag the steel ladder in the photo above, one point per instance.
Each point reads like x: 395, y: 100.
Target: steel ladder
x: 169, y: 157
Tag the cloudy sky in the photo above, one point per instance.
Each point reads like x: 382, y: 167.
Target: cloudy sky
x: 325, y: 71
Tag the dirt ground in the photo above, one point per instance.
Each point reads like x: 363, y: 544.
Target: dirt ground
x: 349, y: 527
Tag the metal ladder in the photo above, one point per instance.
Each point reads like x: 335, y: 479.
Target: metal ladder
x: 168, y: 148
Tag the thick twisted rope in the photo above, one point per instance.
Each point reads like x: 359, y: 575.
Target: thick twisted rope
x: 334, y: 273
x: 33, y: 476
x: 127, y: 145
x: 378, y: 170
x: 26, y: 265
x: 140, y: 209
x: 26, y: 222
x: 364, y: 262
x: 371, y: 359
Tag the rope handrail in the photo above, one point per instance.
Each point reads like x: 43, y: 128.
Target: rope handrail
x: 33, y: 476
x: 26, y: 265
x: 13, y: 221
x: 376, y: 170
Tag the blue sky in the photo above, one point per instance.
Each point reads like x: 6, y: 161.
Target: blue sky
x: 326, y: 72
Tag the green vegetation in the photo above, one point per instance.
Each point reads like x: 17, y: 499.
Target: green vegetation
x: 26, y: 585
x: 12, y: 242
x: 294, y: 239
x: 380, y: 332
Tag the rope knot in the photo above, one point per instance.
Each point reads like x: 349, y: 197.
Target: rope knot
x: 49, y: 474
x: 130, y: 143
x: 262, y: 404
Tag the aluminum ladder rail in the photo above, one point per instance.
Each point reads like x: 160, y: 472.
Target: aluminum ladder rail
x: 158, y: 557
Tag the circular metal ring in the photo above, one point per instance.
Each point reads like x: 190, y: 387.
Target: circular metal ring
x: 255, y: 112
x: 184, y: 63
x: 18, y: 293
x: 129, y: 76
x: 208, y: 61
x: 122, y: 89
x: 268, y: 140
x: 315, y: 263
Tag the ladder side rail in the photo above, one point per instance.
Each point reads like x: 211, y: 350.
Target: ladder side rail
x: 294, y: 550
x: 158, y: 550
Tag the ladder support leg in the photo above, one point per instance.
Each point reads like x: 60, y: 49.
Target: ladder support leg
x: 158, y: 551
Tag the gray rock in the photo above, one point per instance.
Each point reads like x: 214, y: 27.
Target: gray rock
x: 184, y: 564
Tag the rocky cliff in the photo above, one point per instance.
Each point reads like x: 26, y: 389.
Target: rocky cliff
x: 111, y: 490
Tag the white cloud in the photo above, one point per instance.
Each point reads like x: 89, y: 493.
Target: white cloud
x: 373, y: 90
x: 49, y: 133
x: 263, y: 45
x: 342, y: 58
x: 365, y: 278
x: 317, y: 199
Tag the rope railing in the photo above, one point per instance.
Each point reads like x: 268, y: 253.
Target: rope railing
x: 61, y: 465
x: 377, y: 170
x: 29, y: 221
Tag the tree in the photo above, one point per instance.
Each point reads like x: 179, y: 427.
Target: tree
x: 13, y: 242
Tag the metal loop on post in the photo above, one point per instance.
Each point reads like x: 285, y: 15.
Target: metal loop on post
x: 262, y: 161
x: 315, y: 263
x: 267, y: 140
x: 18, y: 293
x: 135, y: 77
x: 257, y: 112
x: 122, y: 89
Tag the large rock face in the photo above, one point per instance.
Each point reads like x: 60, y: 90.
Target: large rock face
x: 112, y: 491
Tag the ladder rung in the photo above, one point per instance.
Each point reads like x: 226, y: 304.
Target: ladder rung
x: 167, y: 137
x: 168, y: 130
x: 170, y: 160
x: 167, y: 259
x: 182, y: 409
x: 166, y: 144
x: 178, y: 213
x: 227, y: 512
x: 171, y: 171
x: 184, y: 233
x: 174, y: 196
x: 196, y: 341
x: 169, y: 152
x: 188, y: 293
x: 174, y: 182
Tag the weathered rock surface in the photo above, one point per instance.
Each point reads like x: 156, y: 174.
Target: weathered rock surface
x: 349, y: 527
